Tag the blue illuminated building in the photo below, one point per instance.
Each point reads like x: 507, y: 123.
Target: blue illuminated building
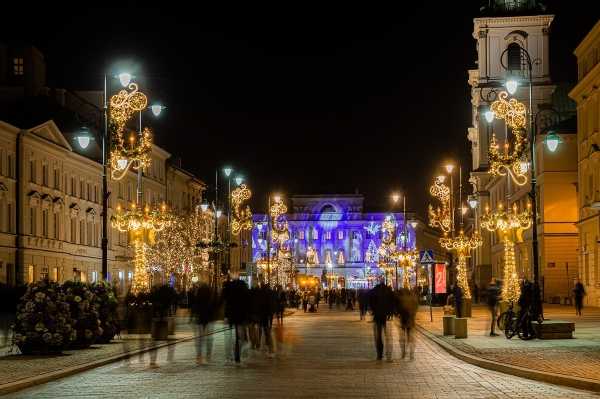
x: 343, y: 236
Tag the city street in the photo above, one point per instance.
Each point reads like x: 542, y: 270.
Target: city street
x: 327, y: 354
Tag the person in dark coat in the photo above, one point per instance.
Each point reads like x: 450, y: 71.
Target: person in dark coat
x: 236, y: 297
x: 458, y: 300
x: 492, y: 294
x: 363, y: 302
x: 203, y: 303
x: 578, y: 293
x: 381, y: 303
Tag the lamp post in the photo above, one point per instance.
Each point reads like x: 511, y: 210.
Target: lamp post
x: 227, y: 171
x: 84, y: 139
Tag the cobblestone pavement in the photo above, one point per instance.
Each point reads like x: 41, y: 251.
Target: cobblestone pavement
x: 14, y: 367
x: 323, y: 355
x: 579, y: 357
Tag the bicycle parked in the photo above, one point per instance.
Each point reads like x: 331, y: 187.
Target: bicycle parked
x: 520, y: 324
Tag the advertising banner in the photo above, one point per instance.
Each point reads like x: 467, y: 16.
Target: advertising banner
x: 440, y: 278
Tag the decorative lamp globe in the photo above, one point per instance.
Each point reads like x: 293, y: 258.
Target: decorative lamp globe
x: 489, y: 115
x: 227, y: 171
x: 511, y: 85
x: 219, y: 213
x: 449, y: 168
x: 125, y: 78
x: 472, y: 202
x: 204, y: 206
x: 552, y: 141
x: 121, y: 163
x: 156, y: 109
x: 83, y: 141
x: 414, y: 224
x: 239, y: 180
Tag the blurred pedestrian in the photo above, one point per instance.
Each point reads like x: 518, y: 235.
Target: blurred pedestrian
x: 381, y: 302
x: 363, y: 302
x: 281, y: 303
x: 475, y: 293
x: 408, y: 303
x: 236, y: 297
x: 492, y: 301
x: 202, y: 304
x: 458, y: 300
x: 578, y: 293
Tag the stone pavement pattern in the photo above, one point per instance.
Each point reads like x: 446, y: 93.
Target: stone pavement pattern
x: 15, y: 367
x: 322, y: 355
x: 578, y: 357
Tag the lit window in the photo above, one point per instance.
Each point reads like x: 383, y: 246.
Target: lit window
x: 18, y: 67
x: 301, y: 234
x: 340, y: 234
x: 315, y: 234
x: 328, y: 235
x: 94, y: 277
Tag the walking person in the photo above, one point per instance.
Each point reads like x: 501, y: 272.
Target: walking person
x: 578, y: 293
x: 458, y: 300
x: 492, y: 302
x: 408, y: 302
x: 381, y: 300
x: 363, y: 303
x: 203, y: 302
x: 236, y: 297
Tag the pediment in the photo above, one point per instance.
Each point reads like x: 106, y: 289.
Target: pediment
x: 34, y: 194
x: 49, y: 131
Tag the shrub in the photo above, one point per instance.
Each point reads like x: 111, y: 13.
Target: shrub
x: 82, y: 304
x: 106, y: 304
x: 43, y: 323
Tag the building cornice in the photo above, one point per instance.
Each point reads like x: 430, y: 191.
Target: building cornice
x: 592, y: 37
x: 507, y: 22
x: 578, y: 93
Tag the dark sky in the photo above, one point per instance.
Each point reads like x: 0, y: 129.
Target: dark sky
x: 303, y: 99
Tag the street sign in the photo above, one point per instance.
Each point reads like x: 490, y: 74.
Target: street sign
x: 426, y: 257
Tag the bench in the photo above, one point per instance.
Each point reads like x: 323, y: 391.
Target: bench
x: 554, y: 329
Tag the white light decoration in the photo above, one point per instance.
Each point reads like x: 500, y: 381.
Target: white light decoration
x: 156, y: 109
x: 227, y: 171
x: 125, y: 78
x: 83, y: 141
x: 239, y: 180
x: 121, y: 163
x: 512, y: 85
x: 552, y: 141
x: 489, y: 116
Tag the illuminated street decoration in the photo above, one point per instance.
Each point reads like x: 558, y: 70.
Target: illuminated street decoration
x: 462, y: 245
x: 504, y: 161
x: 440, y: 217
x: 242, y: 218
x: 372, y: 228
x: 509, y: 226
x: 281, y: 233
x: 131, y: 152
x: 312, y: 257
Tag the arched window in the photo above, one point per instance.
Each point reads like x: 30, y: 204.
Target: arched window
x: 328, y: 209
x: 513, y: 57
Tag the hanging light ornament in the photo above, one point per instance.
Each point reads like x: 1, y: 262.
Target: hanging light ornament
x: 128, y: 153
x: 510, y: 226
x: 440, y: 217
x: 242, y: 218
x: 506, y: 162
x: 462, y: 244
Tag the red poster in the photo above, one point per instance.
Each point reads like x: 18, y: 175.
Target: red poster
x: 440, y: 278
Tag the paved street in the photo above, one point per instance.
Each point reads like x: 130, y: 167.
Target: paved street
x: 318, y: 355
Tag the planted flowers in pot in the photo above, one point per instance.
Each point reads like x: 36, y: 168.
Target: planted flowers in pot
x: 81, y: 300
x: 106, y: 304
x: 43, y: 324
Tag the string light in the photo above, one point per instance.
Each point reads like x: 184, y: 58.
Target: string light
x: 242, y: 218
x: 509, y: 225
x: 123, y: 106
x: 440, y: 217
x: 462, y: 244
x: 503, y: 161
x: 140, y: 274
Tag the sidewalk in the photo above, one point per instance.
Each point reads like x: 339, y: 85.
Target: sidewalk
x: 578, y: 358
x: 18, y: 371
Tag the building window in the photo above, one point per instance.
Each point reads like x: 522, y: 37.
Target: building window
x: 73, y: 230
x: 11, y: 169
x: 18, y: 66
x: 301, y: 234
x: 81, y: 231
x: 355, y: 235
x: 340, y: 234
x: 32, y: 221
x: 327, y: 235
x: 56, y: 226
x: 45, y: 223
x: 32, y: 171
x: 56, y: 179
x: 81, y: 189
x: 513, y: 57
x: 90, y: 233
x: 9, y: 218
x: 94, y: 277
x: 45, y: 175
x: 315, y: 234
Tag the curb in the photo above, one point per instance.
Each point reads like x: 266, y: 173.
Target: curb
x: 55, y: 375
x: 552, y: 378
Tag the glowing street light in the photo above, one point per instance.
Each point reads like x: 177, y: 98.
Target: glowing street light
x: 227, y: 171
x: 449, y: 168
x: 204, y: 206
x: 511, y: 85
x: 124, y: 78
x: 84, y: 138
x: 219, y: 213
x: 239, y: 180
x: 157, y: 109
x: 395, y: 198
x: 552, y: 141
x: 489, y: 115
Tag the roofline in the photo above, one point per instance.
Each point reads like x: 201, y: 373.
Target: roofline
x: 587, y: 41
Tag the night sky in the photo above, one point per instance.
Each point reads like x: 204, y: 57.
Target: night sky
x: 301, y: 100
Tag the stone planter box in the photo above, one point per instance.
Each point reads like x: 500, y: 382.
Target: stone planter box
x: 139, y: 321
x: 160, y: 329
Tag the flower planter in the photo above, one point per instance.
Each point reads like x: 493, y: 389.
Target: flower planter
x: 39, y: 350
x: 160, y: 329
x: 139, y: 321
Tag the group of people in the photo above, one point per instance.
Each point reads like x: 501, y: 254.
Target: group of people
x: 384, y: 304
x: 249, y: 312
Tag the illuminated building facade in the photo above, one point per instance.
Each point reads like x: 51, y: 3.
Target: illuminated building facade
x: 331, y: 237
